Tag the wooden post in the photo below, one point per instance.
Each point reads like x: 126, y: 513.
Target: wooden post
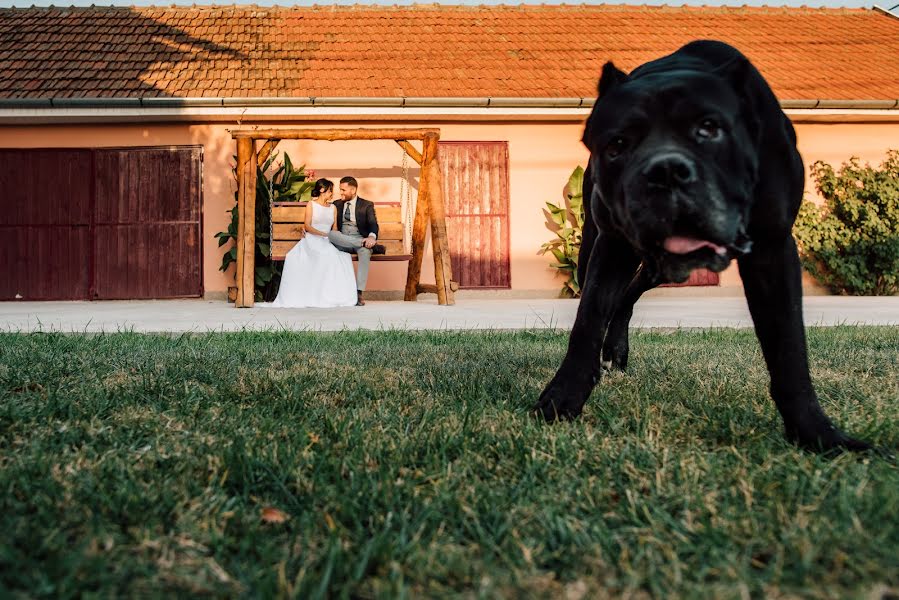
x: 419, y: 231
x: 246, y: 222
x: 443, y: 269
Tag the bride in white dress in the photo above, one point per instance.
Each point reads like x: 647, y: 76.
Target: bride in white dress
x: 316, y: 274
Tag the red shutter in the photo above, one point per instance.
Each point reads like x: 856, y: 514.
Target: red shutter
x: 697, y: 277
x: 476, y: 192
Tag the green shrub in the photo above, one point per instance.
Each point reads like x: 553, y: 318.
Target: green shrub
x: 851, y: 243
x: 568, y: 224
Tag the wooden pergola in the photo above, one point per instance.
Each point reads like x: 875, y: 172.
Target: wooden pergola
x: 429, y: 206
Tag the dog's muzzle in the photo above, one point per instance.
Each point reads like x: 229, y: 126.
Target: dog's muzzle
x: 687, y: 214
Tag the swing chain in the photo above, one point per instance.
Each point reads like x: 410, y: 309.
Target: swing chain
x: 271, y: 225
x: 410, y: 209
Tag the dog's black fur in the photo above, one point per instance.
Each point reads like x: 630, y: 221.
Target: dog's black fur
x: 692, y: 164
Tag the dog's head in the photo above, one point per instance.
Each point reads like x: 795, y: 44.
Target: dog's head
x: 674, y: 158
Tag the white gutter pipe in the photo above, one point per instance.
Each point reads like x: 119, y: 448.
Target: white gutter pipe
x: 37, y: 111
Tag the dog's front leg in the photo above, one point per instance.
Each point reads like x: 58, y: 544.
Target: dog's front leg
x: 772, y: 280
x: 615, y: 347
x: 610, y: 270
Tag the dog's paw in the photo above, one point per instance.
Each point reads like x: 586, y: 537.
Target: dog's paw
x: 614, y: 358
x: 816, y: 433
x: 553, y: 410
x: 556, y: 403
x: 828, y: 442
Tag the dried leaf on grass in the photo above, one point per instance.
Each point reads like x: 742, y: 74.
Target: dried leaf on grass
x: 271, y: 514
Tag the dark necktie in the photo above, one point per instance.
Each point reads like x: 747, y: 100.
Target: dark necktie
x: 346, y: 213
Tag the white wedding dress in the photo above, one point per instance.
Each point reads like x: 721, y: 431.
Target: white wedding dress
x: 316, y: 274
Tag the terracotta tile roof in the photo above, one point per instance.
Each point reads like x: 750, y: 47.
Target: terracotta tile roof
x: 487, y: 51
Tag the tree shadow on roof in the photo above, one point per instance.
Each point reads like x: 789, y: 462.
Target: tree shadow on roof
x: 108, y: 52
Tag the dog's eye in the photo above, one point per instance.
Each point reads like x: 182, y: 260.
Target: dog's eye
x: 708, y: 130
x: 615, y: 147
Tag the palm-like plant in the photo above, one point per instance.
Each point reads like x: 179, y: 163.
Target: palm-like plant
x: 567, y: 222
x: 287, y: 184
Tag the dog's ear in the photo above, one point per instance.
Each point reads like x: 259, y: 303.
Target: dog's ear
x: 744, y: 79
x: 736, y: 71
x: 611, y: 77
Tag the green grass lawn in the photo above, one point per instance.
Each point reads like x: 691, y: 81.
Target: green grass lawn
x: 407, y: 466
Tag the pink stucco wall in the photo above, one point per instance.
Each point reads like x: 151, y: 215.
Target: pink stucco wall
x: 542, y: 155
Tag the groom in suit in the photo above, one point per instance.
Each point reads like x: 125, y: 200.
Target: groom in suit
x: 357, y: 231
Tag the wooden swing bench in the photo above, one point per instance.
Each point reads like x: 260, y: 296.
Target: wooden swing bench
x: 287, y: 228
x: 287, y: 218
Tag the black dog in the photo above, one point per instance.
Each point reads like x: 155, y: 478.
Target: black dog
x: 692, y: 164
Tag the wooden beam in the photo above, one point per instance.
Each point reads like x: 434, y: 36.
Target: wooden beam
x: 430, y: 288
x: 410, y: 150
x: 246, y: 223
x: 334, y: 134
x: 419, y: 229
x: 443, y: 269
x: 266, y: 151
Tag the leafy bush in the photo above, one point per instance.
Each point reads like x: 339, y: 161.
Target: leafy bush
x: 851, y: 243
x: 287, y: 184
x: 568, y: 224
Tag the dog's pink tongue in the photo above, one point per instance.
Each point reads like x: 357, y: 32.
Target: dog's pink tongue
x: 683, y: 245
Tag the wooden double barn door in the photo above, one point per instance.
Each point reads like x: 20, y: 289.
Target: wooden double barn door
x: 118, y: 223
x: 476, y: 193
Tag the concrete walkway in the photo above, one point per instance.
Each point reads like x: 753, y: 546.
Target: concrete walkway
x: 494, y: 313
